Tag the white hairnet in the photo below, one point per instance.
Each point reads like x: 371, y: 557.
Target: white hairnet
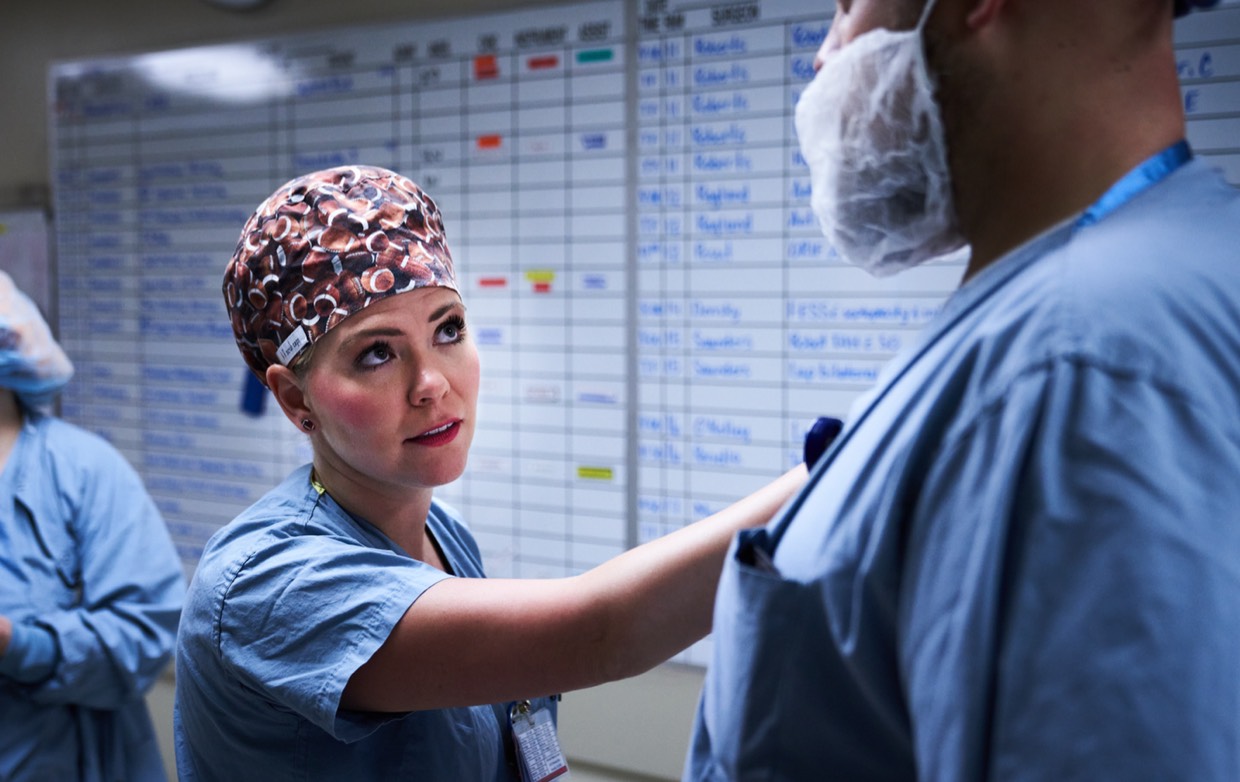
x: 31, y: 363
x: 873, y: 138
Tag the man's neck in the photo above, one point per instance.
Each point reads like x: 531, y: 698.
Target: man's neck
x: 1056, y: 137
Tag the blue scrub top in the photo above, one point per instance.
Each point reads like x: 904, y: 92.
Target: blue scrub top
x: 93, y: 586
x: 288, y: 601
x: 1021, y: 560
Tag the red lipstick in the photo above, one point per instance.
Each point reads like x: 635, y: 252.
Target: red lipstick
x: 440, y: 435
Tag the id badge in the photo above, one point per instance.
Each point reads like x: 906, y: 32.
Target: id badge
x: 538, y: 748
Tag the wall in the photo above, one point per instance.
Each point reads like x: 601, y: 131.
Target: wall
x: 37, y: 34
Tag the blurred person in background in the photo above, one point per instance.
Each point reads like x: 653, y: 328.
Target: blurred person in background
x: 90, y: 584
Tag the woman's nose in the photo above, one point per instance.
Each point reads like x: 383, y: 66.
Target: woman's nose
x: 429, y: 384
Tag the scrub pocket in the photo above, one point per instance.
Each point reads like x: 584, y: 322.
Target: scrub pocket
x: 753, y: 693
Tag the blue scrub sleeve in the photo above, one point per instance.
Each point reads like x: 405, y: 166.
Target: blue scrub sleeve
x: 1069, y: 609
x: 304, y: 612
x: 30, y: 656
x: 117, y: 640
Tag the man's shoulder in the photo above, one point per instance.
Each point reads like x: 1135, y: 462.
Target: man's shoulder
x: 1153, y: 288
x: 1161, y: 278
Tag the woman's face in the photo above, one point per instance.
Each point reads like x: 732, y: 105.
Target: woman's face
x: 393, y: 391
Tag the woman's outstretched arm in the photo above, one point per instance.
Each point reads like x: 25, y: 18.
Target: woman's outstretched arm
x: 468, y: 641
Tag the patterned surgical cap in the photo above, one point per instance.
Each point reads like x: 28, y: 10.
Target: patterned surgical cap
x: 324, y: 246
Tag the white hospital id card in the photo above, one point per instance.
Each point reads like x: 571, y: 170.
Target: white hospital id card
x: 538, y: 747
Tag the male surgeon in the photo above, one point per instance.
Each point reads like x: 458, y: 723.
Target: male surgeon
x: 1021, y: 558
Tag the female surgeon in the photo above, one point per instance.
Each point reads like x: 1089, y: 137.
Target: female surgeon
x: 340, y: 628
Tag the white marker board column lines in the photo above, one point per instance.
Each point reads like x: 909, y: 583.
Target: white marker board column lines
x: 748, y: 329
x: 542, y: 245
x: 514, y: 122
x: 658, y: 317
x: 1208, y: 60
x: 150, y: 186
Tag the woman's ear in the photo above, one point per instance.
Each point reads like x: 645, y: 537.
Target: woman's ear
x: 286, y: 386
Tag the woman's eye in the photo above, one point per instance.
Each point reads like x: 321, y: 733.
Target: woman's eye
x: 452, y: 330
x: 375, y: 355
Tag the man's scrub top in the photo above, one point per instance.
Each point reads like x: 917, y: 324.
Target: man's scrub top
x: 287, y: 602
x: 1021, y: 559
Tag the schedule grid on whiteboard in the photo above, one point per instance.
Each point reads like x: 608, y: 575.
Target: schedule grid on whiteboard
x: 658, y: 316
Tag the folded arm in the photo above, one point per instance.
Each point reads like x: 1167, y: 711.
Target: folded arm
x: 114, y: 641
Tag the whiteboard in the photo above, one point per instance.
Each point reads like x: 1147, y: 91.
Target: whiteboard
x: 658, y: 316
x: 25, y: 255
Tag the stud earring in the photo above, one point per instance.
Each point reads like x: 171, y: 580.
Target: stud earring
x: 307, y: 424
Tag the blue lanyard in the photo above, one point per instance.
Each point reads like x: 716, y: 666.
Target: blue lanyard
x: 1152, y: 171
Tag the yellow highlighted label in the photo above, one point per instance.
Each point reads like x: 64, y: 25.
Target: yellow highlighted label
x: 540, y: 275
x: 596, y: 473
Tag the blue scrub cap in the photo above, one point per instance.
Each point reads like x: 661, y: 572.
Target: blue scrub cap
x: 1183, y: 7
x: 31, y: 363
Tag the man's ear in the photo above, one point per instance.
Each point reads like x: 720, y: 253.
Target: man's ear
x: 286, y: 387
x: 982, y: 12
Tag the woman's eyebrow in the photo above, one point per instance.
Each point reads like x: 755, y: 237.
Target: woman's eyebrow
x: 376, y: 331
x: 439, y: 313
